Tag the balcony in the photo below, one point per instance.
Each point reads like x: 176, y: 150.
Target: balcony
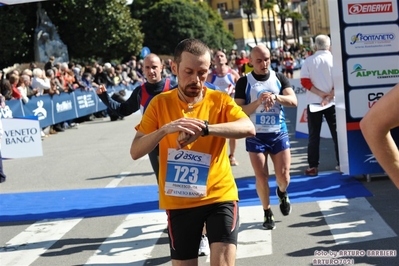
x: 233, y: 13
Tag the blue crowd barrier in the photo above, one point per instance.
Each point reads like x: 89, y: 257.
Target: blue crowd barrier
x: 129, y: 87
x: 54, y: 109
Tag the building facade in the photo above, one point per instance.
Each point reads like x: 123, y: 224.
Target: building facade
x: 319, y: 17
x: 250, y: 24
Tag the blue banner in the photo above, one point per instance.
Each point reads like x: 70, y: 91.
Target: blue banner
x: 51, y: 110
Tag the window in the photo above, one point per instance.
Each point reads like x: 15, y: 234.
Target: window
x: 231, y: 27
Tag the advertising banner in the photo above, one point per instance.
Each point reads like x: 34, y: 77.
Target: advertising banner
x: 50, y: 110
x: 365, y: 48
x: 21, y: 138
x: 301, y: 126
x: 14, y: 2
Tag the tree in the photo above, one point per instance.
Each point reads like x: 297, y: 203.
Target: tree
x: 168, y: 22
x: 139, y: 7
x: 96, y: 29
x: 269, y: 6
x: 249, y: 8
x: 296, y: 18
x: 16, y: 46
x: 283, y: 13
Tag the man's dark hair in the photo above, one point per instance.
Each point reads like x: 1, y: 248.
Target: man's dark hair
x: 192, y: 46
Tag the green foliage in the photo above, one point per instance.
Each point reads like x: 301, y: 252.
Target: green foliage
x: 17, y: 37
x: 91, y: 29
x: 139, y: 7
x: 110, y: 30
x: 169, y: 21
x: 96, y: 29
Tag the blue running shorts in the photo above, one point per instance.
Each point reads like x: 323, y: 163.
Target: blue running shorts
x: 268, y: 142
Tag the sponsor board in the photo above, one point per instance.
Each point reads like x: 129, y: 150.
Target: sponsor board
x: 364, y: 11
x: 366, y: 39
x: 21, y: 138
x: 368, y: 71
x: 363, y: 99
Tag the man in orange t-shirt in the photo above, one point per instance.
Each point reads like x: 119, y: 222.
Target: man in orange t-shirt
x: 196, y: 184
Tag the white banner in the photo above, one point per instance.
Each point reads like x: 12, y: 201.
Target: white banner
x: 14, y: 2
x: 301, y: 129
x: 21, y: 138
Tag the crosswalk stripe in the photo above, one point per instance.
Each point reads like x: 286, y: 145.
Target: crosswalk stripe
x: 252, y: 241
x: 132, y: 241
x: 115, y: 182
x: 27, y: 246
x: 354, y: 220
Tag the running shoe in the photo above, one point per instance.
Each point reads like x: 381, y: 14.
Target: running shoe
x: 269, y: 224
x: 204, y: 247
x: 312, y: 171
x: 233, y: 161
x: 285, y: 205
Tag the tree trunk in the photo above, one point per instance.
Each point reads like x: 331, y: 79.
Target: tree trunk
x: 270, y: 29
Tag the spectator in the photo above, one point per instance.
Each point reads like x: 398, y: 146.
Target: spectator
x: 49, y: 64
x: 14, y: 79
x: 166, y: 70
x: 241, y: 60
x: 31, y: 91
x: 88, y: 82
x: 23, y: 87
x: 6, y: 89
x: 316, y: 78
x: 40, y: 81
x: 126, y: 80
x: 274, y: 63
x: 99, y: 76
x: 133, y: 73
x: 107, y: 75
x: 53, y: 84
x: 57, y: 79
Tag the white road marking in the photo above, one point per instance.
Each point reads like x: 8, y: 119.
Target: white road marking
x: 132, y: 242
x: 252, y: 240
x: 354, y: 220
x: 27, y: 246
x: 115, y: 182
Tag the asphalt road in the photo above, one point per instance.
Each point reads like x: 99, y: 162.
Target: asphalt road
x: 96, y: 156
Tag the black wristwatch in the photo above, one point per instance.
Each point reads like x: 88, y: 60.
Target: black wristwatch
x: 275, y: 97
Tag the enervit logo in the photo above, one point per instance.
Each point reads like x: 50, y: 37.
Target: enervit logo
x: 370, y: 8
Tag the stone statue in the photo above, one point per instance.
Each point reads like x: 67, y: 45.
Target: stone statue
x: 47, y: 40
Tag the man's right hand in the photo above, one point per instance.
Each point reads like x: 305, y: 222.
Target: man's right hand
x: 101, y: 89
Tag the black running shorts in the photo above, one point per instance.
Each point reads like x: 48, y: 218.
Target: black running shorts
x: 185, y: 227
